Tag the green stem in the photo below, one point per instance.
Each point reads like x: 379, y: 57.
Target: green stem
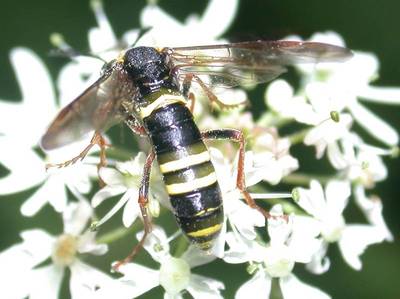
x: 303, y: 179
x: 271, y: 119
x: 116, y: 234
x: 298, y: 137
x: 181, y: 246
x: 120, y: 154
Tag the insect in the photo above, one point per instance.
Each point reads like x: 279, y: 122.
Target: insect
x: 149, y: 90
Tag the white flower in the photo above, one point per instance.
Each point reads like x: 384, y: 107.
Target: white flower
x: 82, y: 71
x: 328, y: 207
x: 314, y: 106
x: 240, y: 216
x: 348, y: 83
x: 174, y: 274
x: 292, y: 240
x: 271, y: 157
x: 362, y: 164
x: 330, y: 124
x: 242, y: 219
x: 280, y: 97
x: 75, y: 178
x: 23, y: 273
x: 236, y: 118
x: 167, y: 31
x: 372, y: 208
x: 206, y: 29
x: 19, y: 141
x: 126, y: 180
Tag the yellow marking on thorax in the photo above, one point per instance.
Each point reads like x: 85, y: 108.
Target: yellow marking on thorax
x: 202, y: 182
x: 161, y: 101
x: 185, y: 162
x: 120, y: 58
x: 205, y: 231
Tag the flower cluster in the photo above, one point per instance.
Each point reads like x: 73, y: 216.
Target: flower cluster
x: 302, y: 222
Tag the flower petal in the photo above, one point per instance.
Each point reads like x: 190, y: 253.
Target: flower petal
x: 37, y: 201
x: 244, y: 218
x: 303, y: 241
x: 260, y: 283
x: 196, y: 257
x: 38, y: 243
x: 242, y: 250
x: 138, y: 279
x: 16, y: 264
x: 313, y: 200
x: 86, y: 281
x: 39, y: 86
x: 87, y: 244
x: 293, y: 288
x: 335, y: 156
x: 320, y: 263
x: 131, y: 209
x: 76, y: 76
x: 114, y: 209
x: 372, y: 208
x: 217, y: 17
x: 45, y: 282
x: 35, y: 83
x: 373, y: 124
x: 76, y: 217
x: 101, y: 38
x: 106, y: 192
x: 378, y: 94
x: 172, y: 296
x: 204, y: 287
x: 279, y: 228
x: 156, y: 243
x: 19, y: 177
x: 337, y: 196
x: 355, y: 240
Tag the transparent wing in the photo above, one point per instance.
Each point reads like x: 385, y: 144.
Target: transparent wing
x: 97, y: 108
x: 246, y: 63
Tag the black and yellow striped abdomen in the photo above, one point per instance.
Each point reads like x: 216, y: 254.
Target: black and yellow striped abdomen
x: 188, y: 173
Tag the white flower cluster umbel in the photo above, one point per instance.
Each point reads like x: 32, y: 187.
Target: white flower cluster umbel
x: 324, y: 107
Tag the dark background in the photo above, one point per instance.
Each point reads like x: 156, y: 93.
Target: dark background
x: 366, y: 25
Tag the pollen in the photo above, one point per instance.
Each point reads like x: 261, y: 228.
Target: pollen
x: 65, y: 250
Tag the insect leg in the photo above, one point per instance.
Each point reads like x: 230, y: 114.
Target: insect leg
x: 237, y: 136
x: 186, y: 84
x: 210, y: 95
x: 143, y: 201
x: 135, y: 127
x: 97, y: 139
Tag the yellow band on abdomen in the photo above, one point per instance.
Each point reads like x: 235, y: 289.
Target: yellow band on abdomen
x: 195, y: 184
x: 185, y: 162
x: 205, y: 231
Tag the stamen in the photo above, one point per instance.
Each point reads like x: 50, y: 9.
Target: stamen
x: 119, y: 205
x: 335, y: 116
x: 101, y: 17
x: 270, y: 195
